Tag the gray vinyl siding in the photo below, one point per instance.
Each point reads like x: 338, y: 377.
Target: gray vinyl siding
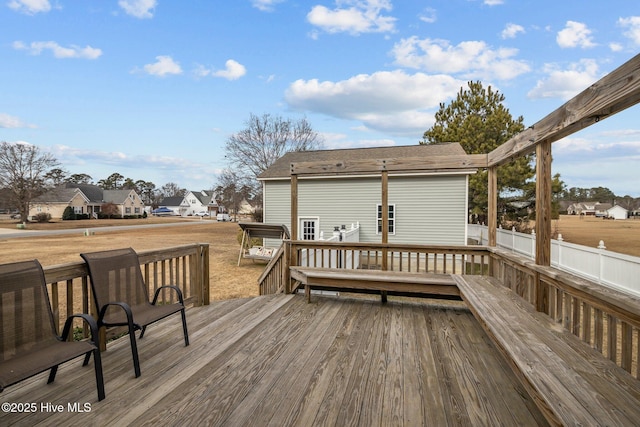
x: 429, y: 209
x: 341, y: 202
x: 277, y: 205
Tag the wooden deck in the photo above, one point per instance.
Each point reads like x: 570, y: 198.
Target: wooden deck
x: 276, y: 360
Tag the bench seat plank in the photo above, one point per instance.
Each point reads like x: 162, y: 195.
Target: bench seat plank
x: 571, y: 383
x: 375, y: 280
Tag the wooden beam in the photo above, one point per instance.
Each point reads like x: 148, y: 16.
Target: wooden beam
x: 407, y: 164
x: 543, y: 203
x: 613, y: 93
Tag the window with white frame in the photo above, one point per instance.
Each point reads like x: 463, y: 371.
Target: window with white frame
x: 392, y: 219
x: 309, y: 228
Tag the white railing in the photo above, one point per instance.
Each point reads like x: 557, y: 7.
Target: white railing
x: 328, y: 258
x: 597, y: 264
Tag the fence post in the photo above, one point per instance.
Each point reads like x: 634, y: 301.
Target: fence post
x: 533, y: 243
x: 602, y: 247
x: 560, y: 243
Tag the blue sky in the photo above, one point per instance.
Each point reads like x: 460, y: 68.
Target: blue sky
x: 152, y: 89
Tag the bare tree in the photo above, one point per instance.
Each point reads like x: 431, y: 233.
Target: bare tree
x: 23, y: 170
x: 266, y: 139
x: 171, y: 189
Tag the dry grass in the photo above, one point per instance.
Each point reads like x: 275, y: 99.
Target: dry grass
x: 622, y: 236
x: 227, y: 279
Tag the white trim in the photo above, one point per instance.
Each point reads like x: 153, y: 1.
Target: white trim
x: 394, y: 219
x: 316, y: 231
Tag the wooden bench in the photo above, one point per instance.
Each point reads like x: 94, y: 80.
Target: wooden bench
x: 370, y: 281
x: 571, y: 383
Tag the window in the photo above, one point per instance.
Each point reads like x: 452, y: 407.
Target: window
x: 392, y: 219
x: 77, y: 210
x: 127, y: 210
x: 308, y: 228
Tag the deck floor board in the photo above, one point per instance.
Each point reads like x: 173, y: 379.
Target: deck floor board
x: 276, y: 360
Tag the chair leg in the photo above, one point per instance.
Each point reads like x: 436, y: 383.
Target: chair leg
x: 134, y: 350
x: 52, y: 374
x: 144, y: 328
x: 184, y: 328
x: 97, y: 360
x: 86, y: 359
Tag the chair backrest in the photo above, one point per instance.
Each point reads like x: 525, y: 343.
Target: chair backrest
x: 116, y: 276
x: 26, y: 320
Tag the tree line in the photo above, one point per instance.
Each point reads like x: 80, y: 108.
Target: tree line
x: 26, y: 172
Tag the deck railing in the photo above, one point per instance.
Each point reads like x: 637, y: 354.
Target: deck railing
x: 607, y: 319
x: 184, y: 266
x: 372, y: 256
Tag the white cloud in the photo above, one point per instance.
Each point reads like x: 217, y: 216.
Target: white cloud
x: 30, y: 7
x: 511, y: 31
x: 163, y: 66
x: 392, y: 101
x: 575, y: 34
x: 428, y: 15
x: 565, y: 84
x: 142, y: 9
x: 493, y: 2
x: 470, y: 59
x: 265, y: 5
x: 36, y: 48
x: 233, y: 71
x: 12, y: 122
x: 632, y: 26
x: 354, y: 17
x: 615, y: 47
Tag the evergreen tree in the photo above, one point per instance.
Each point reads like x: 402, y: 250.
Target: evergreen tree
x: 479, y: 121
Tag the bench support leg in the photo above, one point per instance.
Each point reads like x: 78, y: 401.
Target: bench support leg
x: 383, y: 296
x: 307, y: 292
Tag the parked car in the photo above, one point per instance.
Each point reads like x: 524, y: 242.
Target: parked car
x: 163, y: 212
x: 202, y: 213
x: 223, y: 217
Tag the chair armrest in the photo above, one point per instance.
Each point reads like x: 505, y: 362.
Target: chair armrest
x: 93, y: 325
x: 174, y: 287
x: 123, y: 305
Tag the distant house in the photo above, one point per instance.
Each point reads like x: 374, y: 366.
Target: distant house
x: 86, y: 199
x: 589, y: 209
x: 193, y: 203
x: 426, y: 207
x: 617, y: 212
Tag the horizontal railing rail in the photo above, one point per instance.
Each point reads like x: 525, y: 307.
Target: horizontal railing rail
x: 184, y: 266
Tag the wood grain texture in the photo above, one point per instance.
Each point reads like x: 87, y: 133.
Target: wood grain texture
x: 275, y: 360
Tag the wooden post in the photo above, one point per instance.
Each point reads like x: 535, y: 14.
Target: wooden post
x: 294, y: 221
x: 492, y: 208
x: 385, y: 225
x: 543, y: 203
x: 294, y: 207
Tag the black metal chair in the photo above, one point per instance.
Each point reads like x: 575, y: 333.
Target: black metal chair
x: 121, y: 295
x: 29, y: 343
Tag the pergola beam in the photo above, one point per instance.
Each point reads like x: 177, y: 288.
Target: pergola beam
x: 613, y: 93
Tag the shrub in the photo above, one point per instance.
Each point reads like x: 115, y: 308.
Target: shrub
x: 68, y: 214
x: 42, y: 217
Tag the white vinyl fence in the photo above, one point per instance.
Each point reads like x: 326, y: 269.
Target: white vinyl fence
x: 331, y: 257
x: 598, y: 264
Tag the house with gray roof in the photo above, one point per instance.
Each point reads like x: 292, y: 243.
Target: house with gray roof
x: 192, y: 203
x: 86, y: 199
x: 427, y: 207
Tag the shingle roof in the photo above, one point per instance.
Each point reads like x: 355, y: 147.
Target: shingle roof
x: 57, y: 195
x: 281, y: 167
